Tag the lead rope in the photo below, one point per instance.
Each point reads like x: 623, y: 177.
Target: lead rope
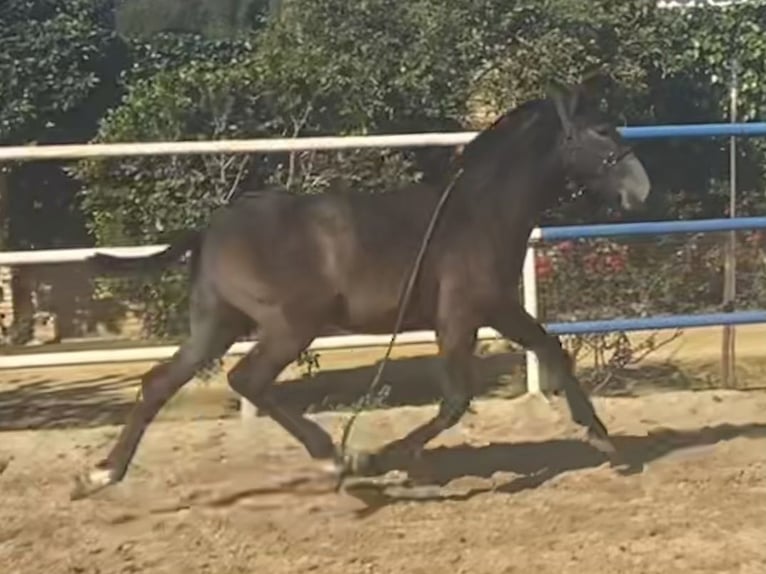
x: 404, y: 298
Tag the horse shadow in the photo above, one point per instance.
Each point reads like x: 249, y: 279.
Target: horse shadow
x: 532, y: 464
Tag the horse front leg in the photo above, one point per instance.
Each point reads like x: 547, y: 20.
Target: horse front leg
x: 515, y: 324
x: 456, y: 347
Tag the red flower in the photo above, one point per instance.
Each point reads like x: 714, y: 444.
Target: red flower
x: 615, y: 262
x: 565, y: 247
x: 543, y: 266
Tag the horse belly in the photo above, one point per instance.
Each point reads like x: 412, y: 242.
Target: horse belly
x: 374, y: 309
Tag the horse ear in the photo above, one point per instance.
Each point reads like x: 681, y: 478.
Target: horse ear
x: 593, y: 84
x: 566, y: 100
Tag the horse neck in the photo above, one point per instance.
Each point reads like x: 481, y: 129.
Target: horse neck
x: 520, y: 189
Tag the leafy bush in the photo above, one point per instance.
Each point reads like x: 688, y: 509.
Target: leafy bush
x: 298, y: 78
x: 326, y: 67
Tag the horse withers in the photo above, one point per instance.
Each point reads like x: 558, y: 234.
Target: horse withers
x: 293, y: 266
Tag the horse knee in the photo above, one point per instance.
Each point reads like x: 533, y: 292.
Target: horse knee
x: 244, y: 380
x: 566, y: 358
x: 551, y: 351
x: 238, y: 381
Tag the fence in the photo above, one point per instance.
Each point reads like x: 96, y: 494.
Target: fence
x: 631, y: 324
x: 84, y: 151
x: 69, y: 152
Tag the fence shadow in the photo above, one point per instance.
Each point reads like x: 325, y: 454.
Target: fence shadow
x: 410, y: 381
x: 644, y: 378
x: 49, y: 404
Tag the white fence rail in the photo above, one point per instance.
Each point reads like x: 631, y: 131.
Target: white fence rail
x: 158, y: 353
x: 54, y: 256
x: 270, y: 145
x: 57, y: 256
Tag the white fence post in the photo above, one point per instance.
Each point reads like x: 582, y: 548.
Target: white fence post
x: 529, y: 281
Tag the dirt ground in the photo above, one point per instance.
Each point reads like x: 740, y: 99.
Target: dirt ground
x: 512, y: 488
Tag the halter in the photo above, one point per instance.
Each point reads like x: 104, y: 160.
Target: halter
x: 572, y: 144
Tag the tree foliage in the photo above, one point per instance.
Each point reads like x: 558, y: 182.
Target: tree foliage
x: 320, y: 69
x: 53, y: 60
x: 220, y: 69
x: 212, y: 19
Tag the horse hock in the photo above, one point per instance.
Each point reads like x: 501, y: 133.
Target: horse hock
x: 253, y: 378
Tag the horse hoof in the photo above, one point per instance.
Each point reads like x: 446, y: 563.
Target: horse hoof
x: 360, y: 463
x: 332, y: 467
x: 601, y: 442
x: 86, y: 485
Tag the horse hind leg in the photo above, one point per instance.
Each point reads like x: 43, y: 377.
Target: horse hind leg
x: 214, y: 327
x: 279, y: 344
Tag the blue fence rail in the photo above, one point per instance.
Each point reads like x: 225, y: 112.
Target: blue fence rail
x: 546, y: 234
x: 562, y: 232
x: 657, y: 322
x: 753, y: 129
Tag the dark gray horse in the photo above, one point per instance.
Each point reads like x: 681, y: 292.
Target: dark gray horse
x: 294, y: 266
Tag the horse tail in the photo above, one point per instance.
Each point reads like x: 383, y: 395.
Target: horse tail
x: 189, y: 241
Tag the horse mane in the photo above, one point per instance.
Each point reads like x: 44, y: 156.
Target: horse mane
x: 513, y: 122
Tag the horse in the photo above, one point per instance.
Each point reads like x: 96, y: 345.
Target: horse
x: 292, y: 266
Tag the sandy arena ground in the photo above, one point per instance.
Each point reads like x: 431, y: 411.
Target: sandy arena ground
x: 514, y: 489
